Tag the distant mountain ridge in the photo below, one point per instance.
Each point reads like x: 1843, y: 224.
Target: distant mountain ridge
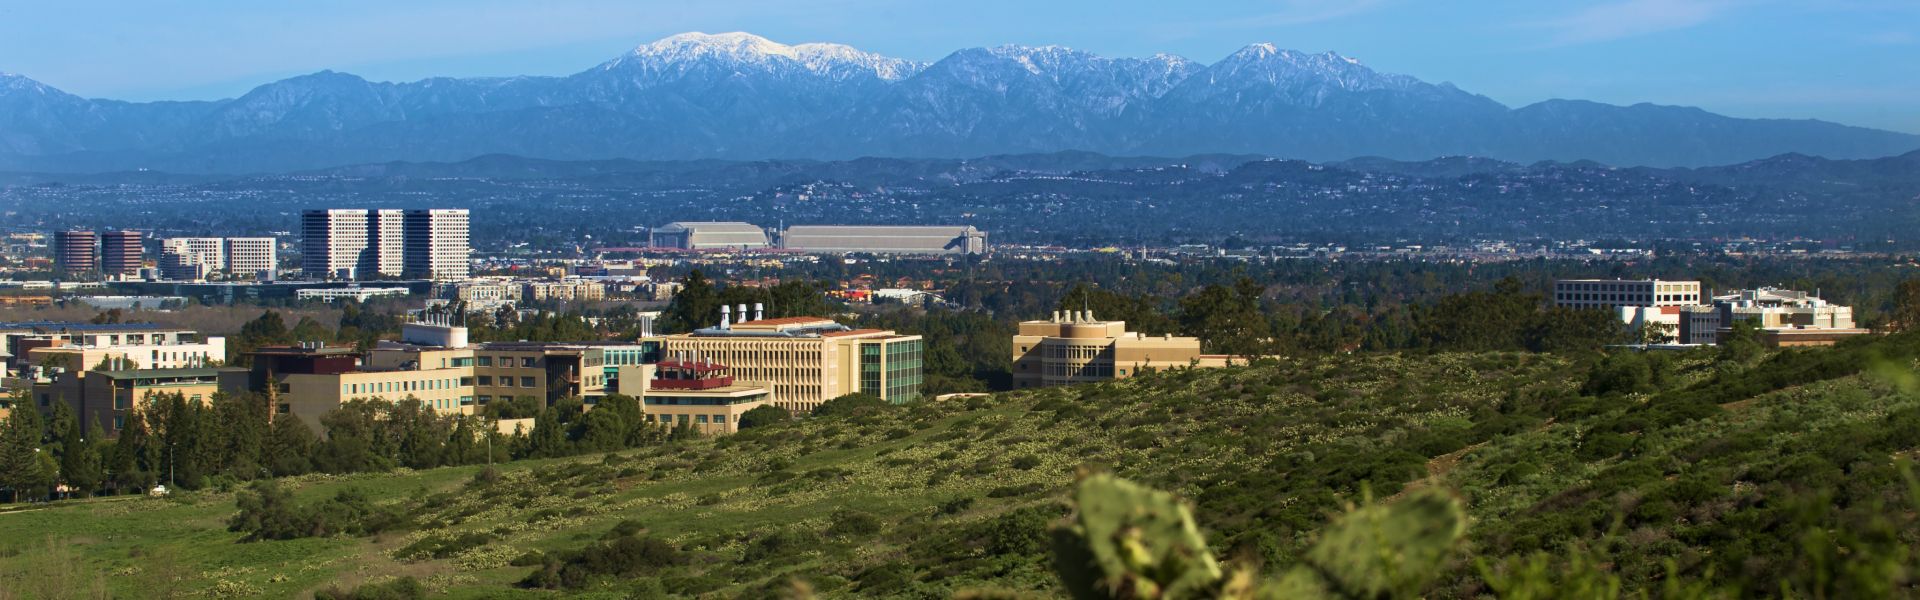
x: 739, y: 96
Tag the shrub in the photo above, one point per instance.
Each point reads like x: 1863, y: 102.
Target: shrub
x: 404, y: 588
x: 853, y: 523
x: 851, y: 405
x: 627, y: 556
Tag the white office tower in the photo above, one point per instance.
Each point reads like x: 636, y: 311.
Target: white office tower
x: 437, y: 245
x: 190, y: 259
x: 387, y: 235
x: 193, y: 259
x: 333, y: 243
x: 250, y: 257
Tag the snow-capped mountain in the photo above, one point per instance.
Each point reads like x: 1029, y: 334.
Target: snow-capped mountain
x: 742, y: 96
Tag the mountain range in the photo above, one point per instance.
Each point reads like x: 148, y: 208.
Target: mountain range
x: 740, y: 96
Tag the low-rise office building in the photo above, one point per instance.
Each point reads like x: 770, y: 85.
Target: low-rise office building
x: 1785, y: 318
x: 1610, y: 293
x: 356, y: 294
x: 178, y: 355
x: 20, y: 338
x: 1075, y: 347
x: 112, y: 398
x: 703, y: 396
x: 808, y: 360
x: 577, y: 290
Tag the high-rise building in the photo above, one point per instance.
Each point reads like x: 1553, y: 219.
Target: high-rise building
x: 436, y: 244
x: 332, y: 243
x: 189, y: 259
x: 251, y: 257
x: 75, y: 251
x: 121, y: 252
x: 387, y: 237
x: 372, y: 244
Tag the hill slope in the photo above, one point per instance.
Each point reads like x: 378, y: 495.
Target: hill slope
x: 1745, y: 478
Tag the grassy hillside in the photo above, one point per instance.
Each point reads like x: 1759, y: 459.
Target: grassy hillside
x: 1741, y: 478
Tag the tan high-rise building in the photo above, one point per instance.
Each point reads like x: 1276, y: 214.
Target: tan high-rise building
x: 1074, y: 347
x: 808, y: 360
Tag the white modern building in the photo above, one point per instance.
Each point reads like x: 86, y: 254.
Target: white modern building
x: 358, y: 244
x: 193, y: 259
x: 356, y: 293
x: 436, y: 244
x: 333, y: 243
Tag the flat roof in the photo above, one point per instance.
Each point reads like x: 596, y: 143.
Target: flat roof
x: 163, y: 373
x: 782, y: 321
x: 77, y: 326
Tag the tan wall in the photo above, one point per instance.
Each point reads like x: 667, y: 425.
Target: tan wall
x: 1043, y: 360
x: 803, y: 372
x: 671, y: 415
x: 310, y: 396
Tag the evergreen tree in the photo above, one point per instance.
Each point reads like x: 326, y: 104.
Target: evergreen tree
x: 26, y: 467
x: 80, y: 458
x: 131, y: 465
x: 288, y: 445
x: 240, y: 423
x: 696, y: 305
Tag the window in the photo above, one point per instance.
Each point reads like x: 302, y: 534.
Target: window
x: 701, y: 419
x: 485, y: 399
x: 486, y: 361
x: 721, y: 419
x: 526, y: 382
x: 486, y: 380
x: 119, y: 422
x: 526, y: 362
x: 284, y: 408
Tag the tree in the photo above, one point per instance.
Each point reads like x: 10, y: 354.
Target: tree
x: 1906, y: 306
x: 240, y: 423
x: 1227, y: 319
x: 764, y: 415
x: 267, y: 329
x: 131, y: 464
x: 26, y: 467
x: 1142, y: 314
x: 287, y: 447
x: 309, y: 330
x: 696, y: 305
x: 80, y: 457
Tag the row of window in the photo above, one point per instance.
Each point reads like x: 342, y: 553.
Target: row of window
x: 399, y: 387
x: 683, y: 419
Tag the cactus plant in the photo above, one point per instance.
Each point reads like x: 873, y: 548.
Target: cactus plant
x: 1134, y: 542
x: 1131, y: 542
x: 1389, y: 549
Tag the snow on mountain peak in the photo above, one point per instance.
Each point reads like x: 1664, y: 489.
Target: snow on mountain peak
x: 832, y: 60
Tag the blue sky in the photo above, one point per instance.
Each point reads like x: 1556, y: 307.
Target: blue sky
x: 1851, y: 61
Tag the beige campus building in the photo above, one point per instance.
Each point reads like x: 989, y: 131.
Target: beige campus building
x: 1074, y: 347
x: 702, y: 396
x: 432, y: 363
x: 808, y: 360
